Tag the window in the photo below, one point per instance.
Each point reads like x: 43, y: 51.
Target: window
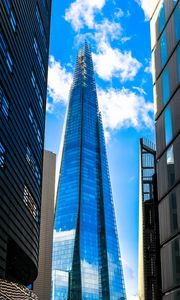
x: 32, y: 163
x: 162, y: 19
x: 6, y: 53
x: 178, y: 63
x: 13, y: 21
x: 177, y: 23
x: 173, y: 212
x: 170, y: 166
x: 35, y: 126
x: 2, y: 155
x: 7, y: 6
x: 4, y: 104
x: 168, y: 125
x: 30, y: 203
x: 39, y: 57
x: 165, y: 86
x: 163, y: 47
x: 41, y: 27
x: 10, y: 13
x: 36, y: 88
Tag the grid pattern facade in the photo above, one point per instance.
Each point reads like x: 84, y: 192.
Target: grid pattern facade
x: 86, y: 257
x: 22, y: 122
x: 165, y: 41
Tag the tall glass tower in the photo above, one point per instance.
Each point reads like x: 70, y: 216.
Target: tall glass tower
x: 86, y: 256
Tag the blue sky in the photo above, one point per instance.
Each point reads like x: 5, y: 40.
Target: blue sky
x: 119, y: 34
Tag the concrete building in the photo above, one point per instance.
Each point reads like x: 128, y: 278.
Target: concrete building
x: 42, y: 285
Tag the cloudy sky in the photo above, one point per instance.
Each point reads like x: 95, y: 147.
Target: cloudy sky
x: 119, y: 34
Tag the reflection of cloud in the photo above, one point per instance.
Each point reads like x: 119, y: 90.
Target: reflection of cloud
x: 63, y: 235
x: 90, y: 277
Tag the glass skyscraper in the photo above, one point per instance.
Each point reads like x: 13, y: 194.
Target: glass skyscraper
x: 86, y: 256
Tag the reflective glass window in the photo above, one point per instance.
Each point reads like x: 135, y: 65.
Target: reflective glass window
x: 168, y: 125
x: 4, y: 104
x: 2, y: 155
x: 10, y: 13
x: 176, y: 260
x: 33, y: 164
x: 165, y: 86
x: 173, y: 212
x: 170, y: 166
x: 163, y: 47
x: 30, y: 203
x: 177, y: 23
x: 162, y: 19
x: 178, y: 58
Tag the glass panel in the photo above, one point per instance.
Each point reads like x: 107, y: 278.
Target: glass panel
x: 2, y: 155
x: 163, y: 47
x: 162, y: 18
x: 173, y: 212
x: 168, y: 125
x: 177, y: 23
x: 176, y: 261
x: 178, y: 58
x: 170, y: 166
x: 165, y: 86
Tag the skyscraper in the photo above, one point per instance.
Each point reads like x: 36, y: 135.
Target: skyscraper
x: 24, y: 44
x: 86, y: 256
x: 149, y: 281
x: 165, y: 42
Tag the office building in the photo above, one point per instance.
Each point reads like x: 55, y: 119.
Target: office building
x: 86, y: 256
x: 165, y: 43
x: 42, y: 285
x: 149, y: 274
x: 24, y: 47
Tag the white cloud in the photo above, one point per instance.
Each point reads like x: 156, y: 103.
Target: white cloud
x: 107, y: 30
x: 125, y: 39
x: 148, y: 6
x: 148, y: 68
x: 82, y: 12
x: 111, y: 62
x: 59, y: 82
x: 124, y: 108
x: 140, y: 90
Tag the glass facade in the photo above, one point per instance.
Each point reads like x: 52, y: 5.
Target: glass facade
x: 86, y: 256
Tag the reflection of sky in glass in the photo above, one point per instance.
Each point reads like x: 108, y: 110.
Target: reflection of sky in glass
x: 165, y: 86
x: 168, y: 124
x: 85, y: 244
x: 170, y: 156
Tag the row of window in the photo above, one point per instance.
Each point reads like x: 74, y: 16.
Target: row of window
x: 38, y: 16
x: 39, y: 57
x: 37, y: 89
x: 4, y: 104
x: 33, y: 164
x: 30, y: 203
x: 6, y: 53
x: 10, y: 13
x: 35, y: 126
x: 163, y: 39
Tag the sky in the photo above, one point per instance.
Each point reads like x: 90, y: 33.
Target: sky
x: 119, y: 34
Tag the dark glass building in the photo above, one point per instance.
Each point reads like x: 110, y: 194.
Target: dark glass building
x: 165, y: 41
x: 149, y: 283
x: 86, y: 256
x: 24, y: 46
